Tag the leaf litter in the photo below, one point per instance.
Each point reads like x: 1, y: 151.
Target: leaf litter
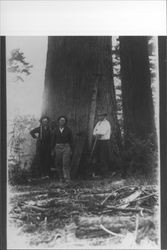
x: 88, y: 213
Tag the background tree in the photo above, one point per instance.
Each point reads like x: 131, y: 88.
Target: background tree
x: 117, y: 80
x: 138, y: 108
x: 18, y: 65
x: 140, y: 152
x: 21, y: 149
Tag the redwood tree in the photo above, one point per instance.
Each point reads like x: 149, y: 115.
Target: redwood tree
x: 79, y: 83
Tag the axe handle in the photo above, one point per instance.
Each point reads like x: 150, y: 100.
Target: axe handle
x: 94, y: 144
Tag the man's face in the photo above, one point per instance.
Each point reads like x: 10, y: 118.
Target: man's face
x: 62, y: 122
x: 101, y: 117
x: 45, y: 122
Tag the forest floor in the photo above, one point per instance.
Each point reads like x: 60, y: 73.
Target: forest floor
x: 110, y: 213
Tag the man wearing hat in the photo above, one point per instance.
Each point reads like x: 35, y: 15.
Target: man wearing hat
x: 62, y: 148
x: 43, y: 146
x: 102, y: 133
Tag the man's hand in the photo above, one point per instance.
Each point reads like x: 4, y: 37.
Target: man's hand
x: 98, y: 136
x: 36, y: 136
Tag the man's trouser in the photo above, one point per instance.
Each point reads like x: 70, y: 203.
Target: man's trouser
x: 62, y: 160
x: 44, y: 159
x: 102, y: 156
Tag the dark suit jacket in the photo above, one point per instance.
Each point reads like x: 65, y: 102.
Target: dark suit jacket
x: 63, y: 137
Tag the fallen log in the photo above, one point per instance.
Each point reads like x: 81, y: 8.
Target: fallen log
x: 94, y: 195
x: 28, y: 193
x: 147, y: 196
x: 137, y: 210
x: 88, y: 227
x: 116, y: 190
x: 123, y: 205
x: 36, y: 208
x: 112, y: 221
x: 125, y: 201
x: 97, y: 231
x: 112, y: 208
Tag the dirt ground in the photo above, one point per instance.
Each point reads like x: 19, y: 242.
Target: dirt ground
x: 110, y: 213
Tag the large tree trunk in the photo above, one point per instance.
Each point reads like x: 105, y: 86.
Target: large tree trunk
x: 79, y: 82
x: 136, y: 87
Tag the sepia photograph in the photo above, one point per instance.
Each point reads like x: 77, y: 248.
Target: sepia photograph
x: 83, y: 151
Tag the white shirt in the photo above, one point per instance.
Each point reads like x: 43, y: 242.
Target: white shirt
x: 103, y: 128
x: 61, y: 129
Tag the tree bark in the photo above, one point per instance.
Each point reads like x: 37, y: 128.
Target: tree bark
x: 72, y: 87
x: 136, y: 87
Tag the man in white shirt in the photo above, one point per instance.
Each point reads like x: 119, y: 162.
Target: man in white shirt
x: 102, y: 132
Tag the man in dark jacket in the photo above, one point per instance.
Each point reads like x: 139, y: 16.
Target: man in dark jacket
x: 62, y: 148
x: 43, y: 147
